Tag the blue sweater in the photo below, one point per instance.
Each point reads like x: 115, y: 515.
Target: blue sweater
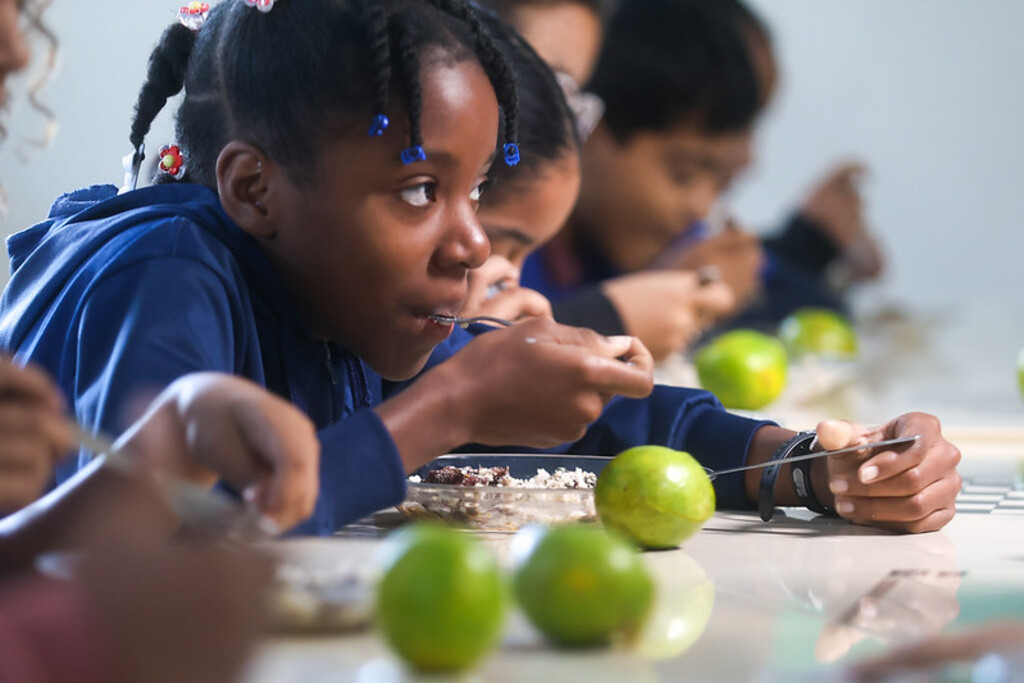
x: 117, y: 296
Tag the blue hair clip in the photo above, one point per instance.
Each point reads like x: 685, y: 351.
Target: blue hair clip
x: 512, y: 154
x: 412, y: 154
x: 379, y: 124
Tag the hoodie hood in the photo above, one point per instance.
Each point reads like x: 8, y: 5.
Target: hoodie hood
x: 88, y: 230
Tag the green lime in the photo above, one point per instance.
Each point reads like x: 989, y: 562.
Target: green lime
x: 441, y: 599
x: 818, y: 332
x: 657, y: 496
x: 745, y: 369
x: 580, y: 585
x: 1020, y: 372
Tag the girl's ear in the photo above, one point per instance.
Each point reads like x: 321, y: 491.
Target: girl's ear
x: 246, y: 184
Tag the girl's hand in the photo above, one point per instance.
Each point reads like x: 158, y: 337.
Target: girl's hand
x: 668, y: 309
x: 494, y: 290
x: 540, y: 384
x: 209, y: 426
x: 911, y: 489
x: 535, y: 384
x: 34, y: 433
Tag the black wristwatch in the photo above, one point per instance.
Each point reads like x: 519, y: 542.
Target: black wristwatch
x: 797, y: 445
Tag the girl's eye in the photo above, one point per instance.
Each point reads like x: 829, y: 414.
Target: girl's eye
x: 418, y: 195
x: 479, y: 190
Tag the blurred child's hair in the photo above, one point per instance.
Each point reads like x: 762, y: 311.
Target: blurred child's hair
x: 667, y: 63
x: 293, y: 79
x: 547, y: 131
x: 506, y: 8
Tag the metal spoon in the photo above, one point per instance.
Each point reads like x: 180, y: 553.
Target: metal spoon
x: 466, y: 322
x: 820, y: 454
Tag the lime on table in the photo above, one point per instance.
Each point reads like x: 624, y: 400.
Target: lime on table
x: 745, y: 369
x: 441, y: 600
x: 580, y: 585
x: 655, y: 495
x: 1020, y: 372
x: 819, y: 332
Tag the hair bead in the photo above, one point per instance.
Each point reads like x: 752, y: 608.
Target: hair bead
x: 512, y: 154
x: 413, y: 154
x: 379, y: 124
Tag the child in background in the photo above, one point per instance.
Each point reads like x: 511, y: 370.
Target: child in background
x: 567, y: 34
x: 684, y: 82
x: 527, y: 206
x: 327, y: 258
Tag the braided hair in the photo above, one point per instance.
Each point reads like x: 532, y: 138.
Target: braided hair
x: 292, y: 79
x: 547, y: 128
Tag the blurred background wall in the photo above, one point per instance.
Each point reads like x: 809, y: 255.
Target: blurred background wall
x: 928, y: 93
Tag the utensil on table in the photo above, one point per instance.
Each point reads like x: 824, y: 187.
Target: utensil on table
x: 208, y: 510
x: 819, y: 454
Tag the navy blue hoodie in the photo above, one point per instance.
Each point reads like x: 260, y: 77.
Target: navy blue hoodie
x: 119, y: 295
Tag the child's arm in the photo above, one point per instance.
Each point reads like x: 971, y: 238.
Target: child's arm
x: 33, y: 433
x: 203, y: 427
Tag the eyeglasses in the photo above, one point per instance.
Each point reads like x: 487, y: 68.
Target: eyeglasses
x: 587, y: 108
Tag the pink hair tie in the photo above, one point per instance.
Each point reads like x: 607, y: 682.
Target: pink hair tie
x: 261, y: 5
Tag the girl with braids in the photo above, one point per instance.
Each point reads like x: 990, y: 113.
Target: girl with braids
x: 309, y: 255
x: 325, y: 230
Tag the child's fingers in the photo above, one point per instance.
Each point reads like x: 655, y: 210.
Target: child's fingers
x: 834, y: 435
x: 929, y: 447
x: 712, y: 301
x: 284, y: 454
x: 638, y: 355
x: 898, y: 473
x: 28, y: 383
x: 926, y: 510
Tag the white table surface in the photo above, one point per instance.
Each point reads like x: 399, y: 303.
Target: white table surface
x: 800, y: 597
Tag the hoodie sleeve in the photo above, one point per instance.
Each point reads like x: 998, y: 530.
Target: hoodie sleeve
x: 145, y: 326
x: 369, y: 478
x: 689, y: 420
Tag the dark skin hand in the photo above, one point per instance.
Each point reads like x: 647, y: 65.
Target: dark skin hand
x: 35, y: 435
x: 912, y: 489
x: 489, y: 392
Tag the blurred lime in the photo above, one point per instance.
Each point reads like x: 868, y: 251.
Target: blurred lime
x: 580, y: 585
x: 1020, y: 371
x: 441, y: 600
x: 686, y: 599
x: 743, y: 368
x: 657, y: 496
x: 818, y: 332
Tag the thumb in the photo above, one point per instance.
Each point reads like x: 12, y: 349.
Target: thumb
x: 836, y: 434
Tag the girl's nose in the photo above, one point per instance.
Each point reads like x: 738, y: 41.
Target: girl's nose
x: 466, y: 245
